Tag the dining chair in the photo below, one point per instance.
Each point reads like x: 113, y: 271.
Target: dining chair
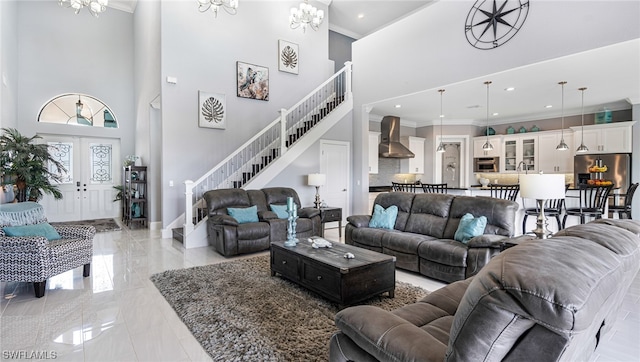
x: 552, y: 208
x: 435, y: 188
x: 593, y: 200
x: 624, y: 210
x: 403, y: 187
x: 507, y: 192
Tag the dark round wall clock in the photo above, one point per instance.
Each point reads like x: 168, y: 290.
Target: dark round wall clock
x: 491, y: 23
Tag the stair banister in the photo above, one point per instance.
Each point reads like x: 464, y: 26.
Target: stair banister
x: 229, y: 165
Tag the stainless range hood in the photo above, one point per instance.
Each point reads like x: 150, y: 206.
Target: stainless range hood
x: 390, y: 146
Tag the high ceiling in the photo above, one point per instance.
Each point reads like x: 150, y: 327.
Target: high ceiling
x: 611, y: 74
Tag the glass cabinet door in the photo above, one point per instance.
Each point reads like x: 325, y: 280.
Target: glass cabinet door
x: 529, y: 154
x: 510, y: 155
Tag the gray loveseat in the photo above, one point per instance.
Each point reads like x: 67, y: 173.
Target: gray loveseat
x: 228, y: 237
x: 542, y: 300
x: 423, y: 237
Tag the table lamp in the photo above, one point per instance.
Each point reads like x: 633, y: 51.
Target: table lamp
x: 317, y: 180
x: 542, y: 187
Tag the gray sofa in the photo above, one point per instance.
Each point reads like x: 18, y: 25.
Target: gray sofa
x: 423, y: 237
x: 228, y: 237
x: 542, y: 300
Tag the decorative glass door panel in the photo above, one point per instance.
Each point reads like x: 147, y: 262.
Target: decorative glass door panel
x: 510, y: 155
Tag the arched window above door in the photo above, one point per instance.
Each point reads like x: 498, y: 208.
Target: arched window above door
x: 78, y: 110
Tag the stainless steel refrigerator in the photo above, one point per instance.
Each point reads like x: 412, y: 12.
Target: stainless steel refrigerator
x: 618, y: 169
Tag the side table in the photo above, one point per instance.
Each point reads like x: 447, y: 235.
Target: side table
x: 514, y: 241
x: 331, y: 214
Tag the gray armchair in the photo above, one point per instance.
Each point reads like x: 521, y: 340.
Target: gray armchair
x: 35, y: 259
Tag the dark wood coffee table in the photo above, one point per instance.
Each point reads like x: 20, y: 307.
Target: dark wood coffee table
x: 327, y: 272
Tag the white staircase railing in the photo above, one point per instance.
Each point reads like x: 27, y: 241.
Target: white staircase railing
x: 266, y: 146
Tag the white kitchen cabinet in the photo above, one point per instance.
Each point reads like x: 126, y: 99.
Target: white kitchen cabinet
x: 551, y: 160
x: 605, y: 138
x: 374, y: 140
x: 519, y: 150
x: 496, y: 142
x: 416, y: 164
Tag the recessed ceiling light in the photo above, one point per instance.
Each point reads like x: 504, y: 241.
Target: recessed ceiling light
x: 548, y: 106
x: 360, y: 16
x: 495, y: 114
x: 509, y: 89
x: 398, y: 105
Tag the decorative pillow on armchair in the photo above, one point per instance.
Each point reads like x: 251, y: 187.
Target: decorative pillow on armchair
x: 383, y: 218
x: 244, y: 215
x: 42, y: 229
x: 469, y: 228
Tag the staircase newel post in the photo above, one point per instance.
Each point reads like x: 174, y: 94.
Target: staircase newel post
x: 283, y: 131
x: 188, y: 211
x: 347, y: 77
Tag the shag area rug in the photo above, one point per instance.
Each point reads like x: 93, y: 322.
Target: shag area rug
x: 237, y: 311
x: 101, y: 225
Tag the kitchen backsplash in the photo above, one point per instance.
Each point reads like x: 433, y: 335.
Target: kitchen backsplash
x: 389, y: 171
x: 510, y: 178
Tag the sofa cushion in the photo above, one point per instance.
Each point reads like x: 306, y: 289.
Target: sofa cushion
x: 219, y: 200
x: 252, y: 231
x: 257, y: 198
x: 383, y: 218
x: 499, y: 213
x: 280, y: 210
x: 42, y: 229
x: 429, y: 214
x: 402, y: 200
x: 470, y: 227
x: 370, y: 236
x: 404, y: 242
x: 444, y: 251
x: 244, y: 215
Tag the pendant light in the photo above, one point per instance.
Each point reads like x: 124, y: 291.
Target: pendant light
x: 487, y: 146
x: 582, y: 147
x: 562, y: 146
x: 440, y: 148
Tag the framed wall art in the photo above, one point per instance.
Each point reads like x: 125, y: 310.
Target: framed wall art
x: 212, y: 110
x: 287, y: 56
x: 253, y: 81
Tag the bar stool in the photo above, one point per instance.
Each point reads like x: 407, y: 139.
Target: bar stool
x: 624, y: 210
x: 396, y: 186
x: 552, y: 208
x: 507, y: 192
x: 435, y: 188
x: 593, y: 200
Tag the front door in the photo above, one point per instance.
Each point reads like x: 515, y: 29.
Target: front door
x: 334, y: 162
x: 92, y: 171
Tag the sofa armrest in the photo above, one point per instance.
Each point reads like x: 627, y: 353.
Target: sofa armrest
x: 308, y: 212
x: 76, y: 231
x: 487, y: 241
x: 388, y: 337
x: 359, y: 221
x: 266, y: 215
x: 223, y: 220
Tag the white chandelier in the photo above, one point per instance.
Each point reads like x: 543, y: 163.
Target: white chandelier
x: 230, y: 6
x: 306, y: 15
x: 95, y: 6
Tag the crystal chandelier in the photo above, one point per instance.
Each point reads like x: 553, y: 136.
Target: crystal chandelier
x: 230, y: 6
x: 95, y: 6
x: 306, y: 15
x: 441, y: 148
x: 487, y: 146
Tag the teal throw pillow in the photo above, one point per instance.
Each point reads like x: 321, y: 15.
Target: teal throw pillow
x: 280, y: 210
x: 244, y: 215
x: 42, y: 229
x: 470, y: 227
x: 383, y: 218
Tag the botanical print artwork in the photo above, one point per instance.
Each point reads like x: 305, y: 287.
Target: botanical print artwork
x: 212, y: 110
x: 253, y: 81
x: 287, y: 57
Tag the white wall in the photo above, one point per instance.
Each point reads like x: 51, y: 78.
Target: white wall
x: 8, y: 64
x: 146, y: 31
x: 61, y: 52
x: 201, y: 52
x: 428, y: 49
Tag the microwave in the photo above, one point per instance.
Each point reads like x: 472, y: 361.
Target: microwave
x: 486, y: 164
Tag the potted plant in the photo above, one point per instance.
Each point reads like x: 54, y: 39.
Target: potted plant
x: 26, y: 164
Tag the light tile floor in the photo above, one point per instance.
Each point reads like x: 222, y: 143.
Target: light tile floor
x: 117, y: 314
